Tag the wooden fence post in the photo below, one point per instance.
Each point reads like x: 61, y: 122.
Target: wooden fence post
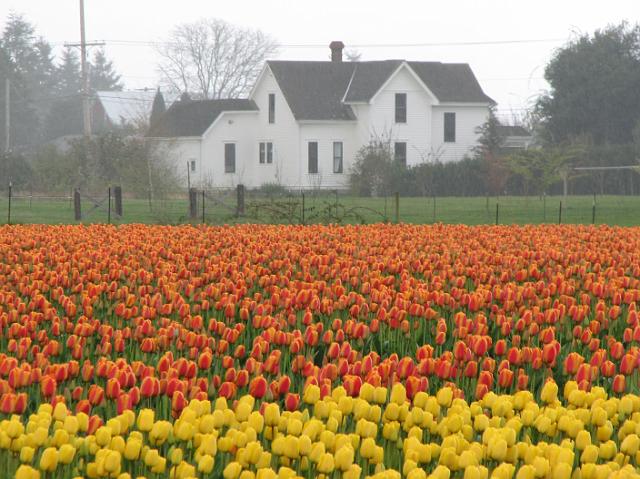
x: 118, y: 198
x: 560, y: 214
x: 203, y: 198
x: 193, y: 203
x: 497, y: 207
x: 240, y: 193
x: 109, y: 206
x: 76, y: 205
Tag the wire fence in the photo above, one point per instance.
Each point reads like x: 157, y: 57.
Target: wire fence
x: 240, y: 205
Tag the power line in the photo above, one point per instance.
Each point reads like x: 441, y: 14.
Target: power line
x: 149, y: 43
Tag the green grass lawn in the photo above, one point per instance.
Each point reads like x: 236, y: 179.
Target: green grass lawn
x: 614, y: 210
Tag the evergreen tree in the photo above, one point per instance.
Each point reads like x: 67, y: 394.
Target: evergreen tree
x: 158, y: 107
x: 65, y: 115
x: 102, y: 74
x: 27, y: 62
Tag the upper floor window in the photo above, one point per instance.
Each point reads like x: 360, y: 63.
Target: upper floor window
x: 450, y: 127
x: 337, y: 157
x: 401, y: 107
x: 272, y: 107
x: 192, y: 164
x: 229, y: 157
x: 400, y: 152
x: 313, y: 156
x: 266, y: 152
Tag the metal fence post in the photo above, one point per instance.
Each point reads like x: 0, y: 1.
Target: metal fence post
x: 302, y: 208
x: 593, y: 213
x: 397, y: 207
x: 203, y: 196
x: 9, y: 211
x: 497, y: 206
x: 76, y: 205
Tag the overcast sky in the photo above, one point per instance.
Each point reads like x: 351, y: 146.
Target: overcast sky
x: 511, y: 73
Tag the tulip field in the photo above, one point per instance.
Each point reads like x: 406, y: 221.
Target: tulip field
x: 263, y: 351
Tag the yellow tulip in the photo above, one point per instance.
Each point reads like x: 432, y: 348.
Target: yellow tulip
x: 145, y: 420
x: 112, y: 462
x: 26, y: 454
x: 27, y: 472
x: 205, y: 464
x: 49, y: 459
x: 417, y: 474
x: 66, y: 453
x: 344, y: 457
x: 630, y: 445
x: 562, y: 471
x: 326, y: 464
x: 132, y: 449
x: 444, y: 397
x: 549, y: 392
x: 311, y: 394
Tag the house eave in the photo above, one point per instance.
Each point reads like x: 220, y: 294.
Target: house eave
x: 326, y: 122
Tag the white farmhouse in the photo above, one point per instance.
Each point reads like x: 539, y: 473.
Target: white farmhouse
x: 304, y: 121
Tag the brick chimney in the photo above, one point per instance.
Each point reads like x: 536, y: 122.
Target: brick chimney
x: 336, y: 51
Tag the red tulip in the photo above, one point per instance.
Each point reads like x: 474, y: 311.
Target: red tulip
x: 258, y: 387
x: 291, y: 401
x: 619, y: 384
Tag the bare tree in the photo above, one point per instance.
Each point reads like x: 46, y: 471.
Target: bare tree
x: 214, y: 59
x: 353, y: 55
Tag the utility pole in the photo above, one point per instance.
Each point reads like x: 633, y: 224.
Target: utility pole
x: 7, y: 114
x: 86, y: 114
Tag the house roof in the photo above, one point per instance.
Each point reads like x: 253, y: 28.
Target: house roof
x: 192, y: 118
x: 513, y: 130
x: 129, y: 107
x: 316, y: 90
x: 451, y: 82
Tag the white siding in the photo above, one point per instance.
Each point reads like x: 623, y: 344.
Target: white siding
x: 235, y: 128
x: 423, y: 132
x: 284, y: 133
x: 325, y: 134
x: 416, y: 132
x: 180, y: 152
x: 468, y: 118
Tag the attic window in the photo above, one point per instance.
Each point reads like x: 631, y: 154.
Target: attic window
x: 272, y: 107
x: 401, y: 107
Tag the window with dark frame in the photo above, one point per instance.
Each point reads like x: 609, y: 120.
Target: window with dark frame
x: 272, y: 107
x: 193, y: 165
x: 313, y: 157
x: 400, y: 152
x: 337, y: 156
x: 450, y: 127
x: 401, y: 107
x: 229, y: 157
x: 269, y: 152
x: 265, y: 154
